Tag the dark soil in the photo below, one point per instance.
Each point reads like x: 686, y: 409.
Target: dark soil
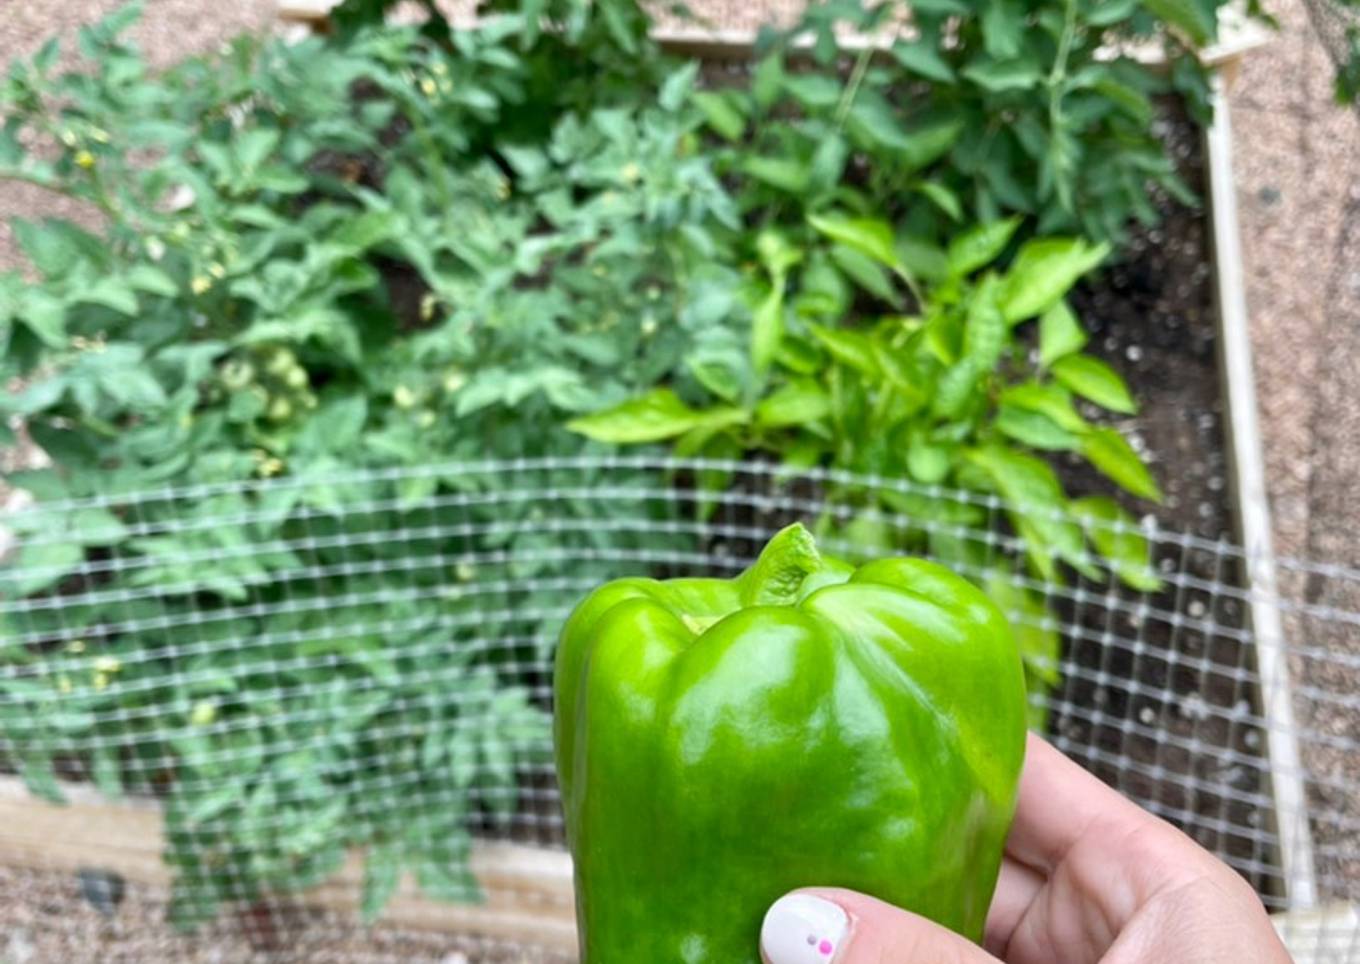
x: 1151, y: 316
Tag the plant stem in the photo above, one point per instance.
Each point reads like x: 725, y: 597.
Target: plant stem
x: 910, y: 280
x: 1057, y: 78
x: 852, y: 88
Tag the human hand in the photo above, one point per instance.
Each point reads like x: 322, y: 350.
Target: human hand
x: 1087, y: 877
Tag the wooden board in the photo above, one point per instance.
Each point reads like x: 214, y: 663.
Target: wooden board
x: 1247, y: 477
x: 529, y: 890
x: 1237, y: 36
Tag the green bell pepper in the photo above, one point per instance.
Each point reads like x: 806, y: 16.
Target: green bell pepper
x: 721, y: 742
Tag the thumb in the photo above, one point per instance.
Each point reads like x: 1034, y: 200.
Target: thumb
x: 830, y: 926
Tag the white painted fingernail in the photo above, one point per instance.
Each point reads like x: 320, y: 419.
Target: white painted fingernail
x: 802, y: 929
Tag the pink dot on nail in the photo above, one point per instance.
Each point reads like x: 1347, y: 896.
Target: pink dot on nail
x: 826, y: 947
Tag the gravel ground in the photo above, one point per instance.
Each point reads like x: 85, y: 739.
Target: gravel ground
x: 44, y: 919
x: 1297, y: 161
x: 169, y: 30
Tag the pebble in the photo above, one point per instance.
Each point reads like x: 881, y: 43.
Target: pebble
x: 1193, y: 707
x: 19, y: 949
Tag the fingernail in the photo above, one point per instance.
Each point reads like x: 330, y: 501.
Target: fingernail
x: 802, y: 929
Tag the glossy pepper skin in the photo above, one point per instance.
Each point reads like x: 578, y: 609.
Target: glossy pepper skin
x: 720, y: 742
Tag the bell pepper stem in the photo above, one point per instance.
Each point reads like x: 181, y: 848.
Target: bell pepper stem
x: 775, y: 578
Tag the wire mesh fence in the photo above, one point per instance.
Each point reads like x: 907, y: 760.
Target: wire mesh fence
x: 307, y: 719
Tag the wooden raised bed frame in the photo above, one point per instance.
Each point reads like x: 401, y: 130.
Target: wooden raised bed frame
x: 528, y: 889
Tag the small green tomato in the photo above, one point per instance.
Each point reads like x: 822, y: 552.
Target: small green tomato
x: 237, y: 373
x: 280, y: 361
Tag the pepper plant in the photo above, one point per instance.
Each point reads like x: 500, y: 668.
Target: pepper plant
x: 942, y: 394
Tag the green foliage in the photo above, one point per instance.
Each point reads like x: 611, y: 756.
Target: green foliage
x: 1348, y: 70
x: 326, y: 266
x: 986, y: 108
x: 379, y: 253
x: 944, y: 395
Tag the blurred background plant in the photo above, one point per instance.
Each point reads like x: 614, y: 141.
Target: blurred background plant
x: 401, y: 247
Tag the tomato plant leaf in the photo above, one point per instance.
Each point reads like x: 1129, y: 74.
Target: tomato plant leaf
x: 382, y: 871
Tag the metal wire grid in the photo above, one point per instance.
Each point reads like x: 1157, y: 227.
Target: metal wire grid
x: 1160, y: 693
